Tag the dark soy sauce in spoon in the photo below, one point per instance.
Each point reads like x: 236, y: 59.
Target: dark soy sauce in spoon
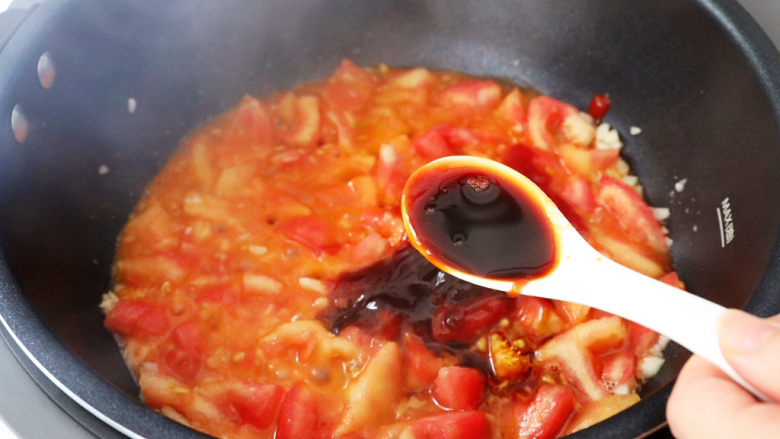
x: 478, y: 222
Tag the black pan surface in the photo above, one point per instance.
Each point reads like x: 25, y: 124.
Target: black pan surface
x: 698, y: 77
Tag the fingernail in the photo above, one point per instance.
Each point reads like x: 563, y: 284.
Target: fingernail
x: 742, y: 333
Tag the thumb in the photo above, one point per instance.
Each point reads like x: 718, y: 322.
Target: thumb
x: 752, y: 346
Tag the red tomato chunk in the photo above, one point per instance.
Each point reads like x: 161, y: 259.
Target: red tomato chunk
x: 458, y: 388
x: 460, y: 425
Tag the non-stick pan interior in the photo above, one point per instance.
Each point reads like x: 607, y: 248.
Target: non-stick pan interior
x: 132, y: 79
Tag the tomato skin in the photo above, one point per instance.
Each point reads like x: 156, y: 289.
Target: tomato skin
x: 464, y: 321
x: 578, y: 194
x: 349, y: 87
x: 540, y: 166
x: 632, y: 212
x: 313, y: 232
x: 545, y: 117
x: 299, y: 416
x: 471, y: 424
x: 252, y: 120
x: 537, y: 316
x: 433, y: 144
x: 256, y: 404
x: 131, y: 317
x: 307, y: 128
x: 599, y: 107
x: 618, y: 368
x: 458, y: 388
x: 443, y: 140
x: 545, y: 416
x: 511, y: 108
x: 641, y: 338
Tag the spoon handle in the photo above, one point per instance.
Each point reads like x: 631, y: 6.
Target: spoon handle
x: 688, y: 319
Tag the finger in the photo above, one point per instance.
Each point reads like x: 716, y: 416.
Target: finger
x: 752, y: 346
x: 775, y: 319
x: 705, y: 403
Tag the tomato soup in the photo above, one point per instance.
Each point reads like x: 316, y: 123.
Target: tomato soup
x: 264, y: 285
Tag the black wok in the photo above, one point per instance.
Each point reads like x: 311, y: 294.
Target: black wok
x: 698, y: 77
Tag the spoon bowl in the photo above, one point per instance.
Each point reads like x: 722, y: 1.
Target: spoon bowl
x: 577, y: 273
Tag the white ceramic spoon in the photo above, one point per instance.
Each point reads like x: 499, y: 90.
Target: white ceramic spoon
x: 583, y: 275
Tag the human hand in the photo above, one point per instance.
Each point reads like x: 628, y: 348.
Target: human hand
x: 705, y: 403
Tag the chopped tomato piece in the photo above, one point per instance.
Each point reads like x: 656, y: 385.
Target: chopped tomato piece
x: 458, y: 388
x: 299, y: 416
x: 421, y: 365
x: 574, y: 313
x: 635, y: 256
x: 132, y: 317
x: 578, y: 194
x: 252, y: 122
x: 344, y: 131
x: 588, y: 162
x: 433, y: 144
x: 306, y: 131
x: 182, y: 364
x: 472, y: 96
x: 391, y: 174
x: 184, y: 360
x: 540, y: 166
x: 188, y: 336
x: 464, y: 321
x: 672, y: 279
x: 255, y: 403
x: 443, y: 140
x: 618, y: 368
x: 369, y: 250
x: 511, y: 109
x: 545, y: 119
x: 572, y: 351
x: 599, y: 106
x: 371, y: 397
x: 152, y: 270
x: 545, y: 416
x: 471, y: 424
x: 349, y: 88
x: 602, y: 159
x: 641, y: 338
x: 418, y: 78
x: 313, y: 232
x: 537, y: 316
x: 632, y: 212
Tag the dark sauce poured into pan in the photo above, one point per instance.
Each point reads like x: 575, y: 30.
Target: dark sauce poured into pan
x: 475, y: 222
x: 406, y: 292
